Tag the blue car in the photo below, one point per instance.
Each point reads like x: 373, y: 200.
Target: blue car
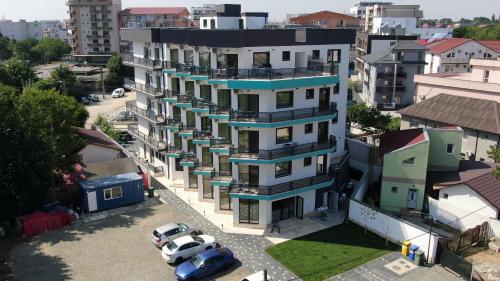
x: 204, y: 264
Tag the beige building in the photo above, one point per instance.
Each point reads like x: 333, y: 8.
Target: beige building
x: 94, y: 27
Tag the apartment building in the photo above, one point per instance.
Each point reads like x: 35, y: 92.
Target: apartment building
x: 326, y: 19
x: 252, y: 120
x: 144, y: 17
x: 453, y: 55
x: 21, y: 30
x: 206, y: 9
x: 359, y: 10
x: 388, y: 76
x: 94, y: 28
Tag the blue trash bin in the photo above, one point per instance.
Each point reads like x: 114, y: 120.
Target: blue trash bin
x: 413, y: 249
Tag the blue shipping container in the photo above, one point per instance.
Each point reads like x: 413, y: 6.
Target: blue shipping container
x: 112, y: 192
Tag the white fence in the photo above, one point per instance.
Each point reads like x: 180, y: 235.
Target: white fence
x: 458, y: 218
x: 393, y: 228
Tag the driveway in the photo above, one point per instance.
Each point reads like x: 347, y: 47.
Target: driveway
x: 108, y: 106
x: 116, y: 248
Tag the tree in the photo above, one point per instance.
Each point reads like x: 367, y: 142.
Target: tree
x: 51, y: 49
x: 116, y: 71
x: 68, y: 84
x: 5, y: 51
x: 494, y: 154
x: 18, y: 73
x: 24, y: 50
x: 106, y: 127
x: 372, y: 120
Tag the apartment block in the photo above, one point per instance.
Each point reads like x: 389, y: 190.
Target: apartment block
x: 21, y: 30
x: 252, y: 120
x: 144, y: 17
x: 388, y: 75
x: 94, y: 27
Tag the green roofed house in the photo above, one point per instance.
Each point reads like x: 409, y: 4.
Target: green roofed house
x: 407, y: 157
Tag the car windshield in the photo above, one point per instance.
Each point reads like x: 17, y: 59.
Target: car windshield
x: 198, y: 239
x: 196, y: 261
x: 183, y: 227
x: 156, y: 234
x: 172, y: 246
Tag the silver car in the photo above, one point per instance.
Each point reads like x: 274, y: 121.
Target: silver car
x: 168, y: 232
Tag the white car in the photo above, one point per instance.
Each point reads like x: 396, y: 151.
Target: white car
x: 117, y: 93
x: 257, y: 276
x: 169, y: 232
x: 186, y: 246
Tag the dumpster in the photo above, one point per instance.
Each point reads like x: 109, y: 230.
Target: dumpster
x: 419, y: 258
x: 151, y: 192
x: 405, y: 249
x: 413, y: 249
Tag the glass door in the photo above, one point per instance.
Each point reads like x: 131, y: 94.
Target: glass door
x: 224, y: 164
x: 191, y: 119
x: 206, y: 124
x: 248, y: 141
x: 206, y: 93
x: 189, y: 88
x: 321, y: 165
x: 324, y: 99
x: 299, y: 208
x: 248, y: 103
x: 208, y: 192
x: 193, y: 179
x: 249, y: 211
x: 224, y: 131
x: 224, y: 99
x: 323, y: 131
x: 224, y: 198
x: 176, y: 87
x: 207, y: 157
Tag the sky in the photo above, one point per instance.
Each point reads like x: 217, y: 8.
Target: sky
x: 56, y: 9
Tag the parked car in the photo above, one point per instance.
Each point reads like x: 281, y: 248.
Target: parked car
x: 205, y: 264
x: 257, y: 276
x: 124, y: 137
x: 117, y: 93
x: 186, y: 246
x: 124, y: 116
x: 169, y: 232
x: 93, y: 98
x: 85, y: 100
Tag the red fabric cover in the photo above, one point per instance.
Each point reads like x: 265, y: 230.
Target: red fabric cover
x: 144, y: 180
x: 40, y: 222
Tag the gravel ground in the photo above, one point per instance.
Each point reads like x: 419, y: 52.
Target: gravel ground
x: 116, y: 248
x: 108, y: 106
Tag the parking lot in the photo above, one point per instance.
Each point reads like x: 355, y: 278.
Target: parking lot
x: 108, y: 106
x: 116, y: 248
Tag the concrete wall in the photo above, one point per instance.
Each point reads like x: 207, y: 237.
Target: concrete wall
x: 439, y: 158
x: 463, y: 197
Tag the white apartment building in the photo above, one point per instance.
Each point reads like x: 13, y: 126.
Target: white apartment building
x: 22, y: 29
x: 94, y: 26
x: 206, y: 9
x: 251, y: 120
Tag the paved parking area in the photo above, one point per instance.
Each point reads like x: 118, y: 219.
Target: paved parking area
x: 108, y: 106
x: 115, y: 248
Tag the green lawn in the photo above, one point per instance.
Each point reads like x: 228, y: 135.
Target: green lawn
x: 329, y: 252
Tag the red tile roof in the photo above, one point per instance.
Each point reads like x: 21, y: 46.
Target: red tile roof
x: 494, y: 45
x: 156, y: 10
x: 395, y: 140
x: 96, y: 137
x: 442, y: 46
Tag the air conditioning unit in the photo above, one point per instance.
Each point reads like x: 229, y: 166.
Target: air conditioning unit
x: 168, y: 45
x: 214, y: 50
x: 468, y: 153
x: 235, y: 91
x: 215, y: 86
x: 181, y: 46
x: 197, y: 81
x: 196, y: 48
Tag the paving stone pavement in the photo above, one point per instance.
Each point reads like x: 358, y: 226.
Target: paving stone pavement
x: 249, y: 249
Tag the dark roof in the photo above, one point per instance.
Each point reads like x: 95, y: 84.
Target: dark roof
x: 444, y: 45
x: 385, y: 56
x: 474, y: 174
x: 398, y: 139
x: 409, y: 45
x: 156, y: 10
x: 111, y: 168
x: 478, y: 114
x: 96, y: 137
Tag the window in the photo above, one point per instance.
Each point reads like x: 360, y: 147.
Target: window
x: 315, y: 55
x: 308, y: 128
x: 336, y: 89
x: 413, y: 123
x: 283, y: 169
x: 261, y: 59
x: 449, y: 148
x: 284, y: 99
x: 309, y: 94
x: 307, y: 161
x: 249, y: 211
x: 409, y: 161
x: 178, y: 166
x: 285, y: 56
x: 392, y: 43
x: 188, y: 56
x: 445, y: 195
x: 333, y: 55
x: 113, y: 193
x: 204, y: 58
x: 205, y: 23
x: 394, y: 189
x: 284, y: 135
x: 486, y: 75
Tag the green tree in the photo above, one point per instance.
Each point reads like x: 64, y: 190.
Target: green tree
x: 51, y: 49
x: 494, y: 154
x: 5, y: 51
x: 116, y: 71
x: 18, y: 73
x: 68, y: 84
x: 24, y: 50
x: 372, y: 120
x: 106, y: 127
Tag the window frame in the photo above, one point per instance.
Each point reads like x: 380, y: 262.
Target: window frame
x: 404, y: 162
x: 289, y: 104
x: 290, y: 135
x: 308, y: 162
x: 287, y: 172
x: 452, y: 148
x: 110, y: 189
x: 287, y: 57
x: 394, y: 189
x: 310, y: 126
x: 308, y: 92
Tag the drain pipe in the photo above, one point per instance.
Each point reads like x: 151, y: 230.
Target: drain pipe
x: 265, y: 274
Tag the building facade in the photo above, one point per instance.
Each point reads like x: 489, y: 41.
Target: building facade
x: 326, y: 19
x: 94, y: 27
x: 143, y: 17
x: 206, y: 9
x: 251, y: 120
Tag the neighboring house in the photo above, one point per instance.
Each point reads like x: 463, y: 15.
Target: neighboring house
x: 99, y: 147
x: 479, y: 118
x: 326, y: 19
x: 205, y: 9
x: 453, y: 55
x: 407, y: 157
x: 145, y: 17
x: 229, y: 16
x: 388, y: 75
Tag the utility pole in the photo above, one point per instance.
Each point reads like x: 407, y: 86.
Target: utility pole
x: 102, y: 82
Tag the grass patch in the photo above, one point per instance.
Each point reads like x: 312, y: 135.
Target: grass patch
x: 320, y: 255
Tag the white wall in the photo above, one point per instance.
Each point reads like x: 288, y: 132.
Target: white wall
x: 463, y: 197
x: 254, y: 22
x: 93, y: 154
x: 394, y: 229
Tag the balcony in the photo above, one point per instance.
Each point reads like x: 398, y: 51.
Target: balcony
x: 184, y: 101
x: 171, y: 96
x: 129, y: 59
x: 158, y: 119
x: 146, y: 89
x: 218, y: 112
x: 322, y: 180
x: 220, y: 145
x: 244, y: 154
x: 272, y: 73
x: 149, y: 140
x: 203, y: 169
x: 188, y: 159
x: 186, y: 131
x: 202, y: 137
x: 221, y: 178
x: 390, y: 88
x: 174, y: 151
x: 455, y: 60
x: 280, y: 116
x: 173, y: 124
x: 382, y: 75
x: 200, y: 105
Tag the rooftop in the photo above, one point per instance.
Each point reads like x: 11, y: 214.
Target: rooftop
x: 387, y: 56
x: 155, y: 10
x: 441, y: 46
x: 392, y: 141
x: 474, y: 174
x: 494, y: 45
x: 111, y: 168
x: 479, y: 114
x: 96, y: 137
x: 324, y: 13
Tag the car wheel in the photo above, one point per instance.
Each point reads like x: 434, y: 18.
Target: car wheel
x: 196, y: 232
x: 178, y: 260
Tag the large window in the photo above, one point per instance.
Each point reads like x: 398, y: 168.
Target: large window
x: 284, y: 135
x: 284, y: 99
x: 224, y: 99
x: 208, y: 192
x: 113, y: 193
x: 333, y: 55
x: 283, y: 169
x: 174, y: 55
x: 285, y: 56
x: 205, y: 60
x: 224, y: 199
x: 178, y: 166
x: 224, y: 164
x: 188, y: 57
x: 261, y: 59
x: 249, y: 211
x: 309, y: 94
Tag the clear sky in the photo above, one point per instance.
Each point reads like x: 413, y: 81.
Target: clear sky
x: 455, y: 9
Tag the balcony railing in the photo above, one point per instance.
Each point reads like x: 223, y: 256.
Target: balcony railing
x: 173, y: 122
x: 172, y: 94
x: 157, y: 118
x: 148, y: 89
x: 174, y: 149
x: 273, y: 73
x: 285, y: 151
x: 147, y: 62
x: 184, y: 99
x: 157, y: 144
x: 219, y: 142
x: 202, y: 135
x: 188, y: 157
x: 283, y: 187
x: 270, y: 117
x: 219, y: 110
x: 391, y: 75
x: 221, y: 176
x: 200, y: 103
x: 389, y: 89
